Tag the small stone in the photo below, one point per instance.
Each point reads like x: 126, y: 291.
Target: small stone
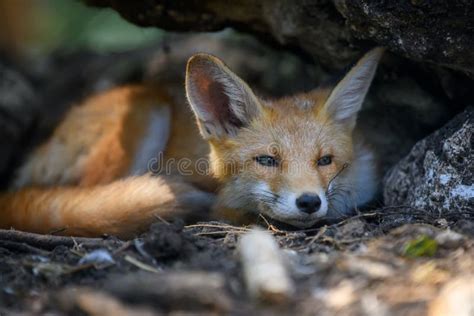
x: 98, y: 256
x: 339, y: 297
x: 373, y: 269
x: 429, y: 273
x: 455, y: 298
x: 449, y: 239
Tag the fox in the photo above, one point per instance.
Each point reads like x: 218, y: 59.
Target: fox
x: 229, y: 155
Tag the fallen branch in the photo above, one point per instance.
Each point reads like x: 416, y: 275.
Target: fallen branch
x: 141, y: 265
x: 22, y: 247
x: 182, y: 290
x: 264, y: 270
x: 49, y: 242
x: 96, y: 303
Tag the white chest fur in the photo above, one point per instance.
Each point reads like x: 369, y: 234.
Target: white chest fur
x: 153, y: 142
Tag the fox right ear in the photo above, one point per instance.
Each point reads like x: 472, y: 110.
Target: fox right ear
x: 346, y: 98
x: 221, y: 101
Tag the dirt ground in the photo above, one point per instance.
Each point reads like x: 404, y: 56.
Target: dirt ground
x: 391, y: 261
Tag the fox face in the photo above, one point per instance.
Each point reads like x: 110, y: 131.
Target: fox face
x: 294, y: 159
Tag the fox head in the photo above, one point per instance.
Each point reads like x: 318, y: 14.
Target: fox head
x: 279, y: 158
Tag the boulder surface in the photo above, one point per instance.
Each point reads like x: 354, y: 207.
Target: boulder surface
x: 437, y: 175
x: 438, y: 32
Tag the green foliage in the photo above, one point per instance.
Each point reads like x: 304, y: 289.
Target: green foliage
x: 423, y: 246
x: 70, y: 25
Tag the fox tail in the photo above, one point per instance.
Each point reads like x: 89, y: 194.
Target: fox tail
x: 122, y: 208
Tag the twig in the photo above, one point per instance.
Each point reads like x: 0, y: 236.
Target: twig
x: 72, y: 270
x: 332, y: 241
x: 217, y: 226
x: 140, y: 264
x: 49, y: 242
x: 321, y: 232
x: 264, y: 270
x: 161, y: 219
x: 76, y: 245
x: 77, y: 252
x: 217, y: 229
x: 270, y: 226
x: 22, y: 247
x: 354, y: 240
x: 57, y: 231
x: 139, y: 246
x: 122, y: 248
x: 221, y: 232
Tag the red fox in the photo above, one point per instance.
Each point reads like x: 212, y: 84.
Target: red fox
x: 297, y: 160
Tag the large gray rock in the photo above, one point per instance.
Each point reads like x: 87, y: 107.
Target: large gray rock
x: 435, y: 31
x: 437, y: 175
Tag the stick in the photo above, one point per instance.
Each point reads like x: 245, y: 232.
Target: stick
x: 49, y: 242
x: 265, y: 274
x: 140, y: 264
x: 22, y: 247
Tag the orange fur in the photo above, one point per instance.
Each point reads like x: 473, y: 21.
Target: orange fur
x: 294, y: 134
x: 89, y: 151
x: 123, y: 208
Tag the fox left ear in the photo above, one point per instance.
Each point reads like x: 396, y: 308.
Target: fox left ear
x: 346, y: 98
x: 221, y: 101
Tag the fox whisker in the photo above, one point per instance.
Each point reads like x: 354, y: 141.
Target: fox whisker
x: 341, y: 195
x: 344, y: 167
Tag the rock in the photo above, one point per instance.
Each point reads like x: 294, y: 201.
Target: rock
x: 18, y: 109
x: 455, y: 299
x: 371, y: 268
x: 449, y: 239
x: 421, y: 30
x: 437, y: 175
x: 339, y: 297
x: 317, y: 27
x: 373, y: 306
x: 97, y: 257
x: 269, y: 71
x: 437, y: 32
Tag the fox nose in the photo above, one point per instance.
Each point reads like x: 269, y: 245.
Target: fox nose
x: 308, y: 203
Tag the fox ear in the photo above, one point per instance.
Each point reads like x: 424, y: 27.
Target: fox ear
x: 346, y: 98
x: 221, y: 101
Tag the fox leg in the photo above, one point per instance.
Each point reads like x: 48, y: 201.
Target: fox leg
x: 123, y: 208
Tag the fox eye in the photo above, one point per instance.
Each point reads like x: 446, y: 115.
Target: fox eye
x: 267, y: 161
x: 325, y: 160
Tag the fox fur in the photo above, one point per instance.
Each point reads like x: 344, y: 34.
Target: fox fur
x: 297, y: 160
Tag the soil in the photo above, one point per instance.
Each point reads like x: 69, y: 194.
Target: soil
x: 377, y: 262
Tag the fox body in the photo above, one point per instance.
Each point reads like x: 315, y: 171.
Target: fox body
x: 297, y: 159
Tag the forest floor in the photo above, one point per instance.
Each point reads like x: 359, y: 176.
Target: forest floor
x: 371, y: 264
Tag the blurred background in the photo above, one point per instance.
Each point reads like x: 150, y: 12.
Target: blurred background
x: 34, y: 28
x: 49, y: 50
